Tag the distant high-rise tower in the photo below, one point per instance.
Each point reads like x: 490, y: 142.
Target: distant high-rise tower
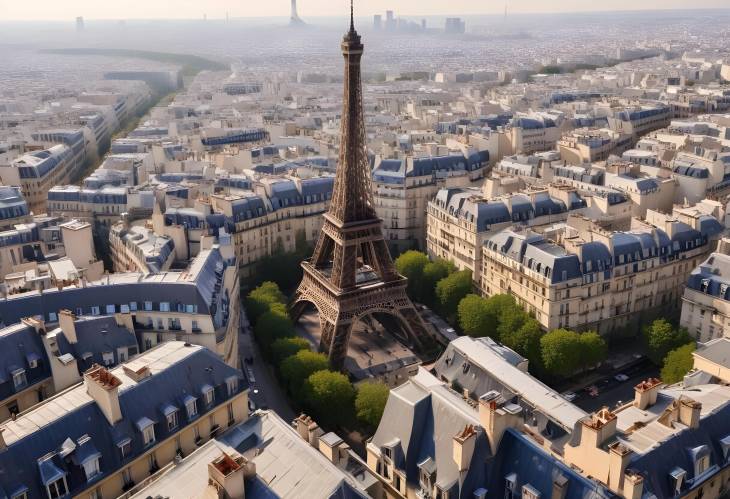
x: 351, y: 275
x: 295, y: 19
x: 79, y: 23
x: 377, y: 22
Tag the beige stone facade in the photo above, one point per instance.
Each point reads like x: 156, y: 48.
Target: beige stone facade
x: 601, y: 298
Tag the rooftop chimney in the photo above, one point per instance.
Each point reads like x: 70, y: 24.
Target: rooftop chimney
x: 495, y: 416
x: 599, y: 427
x: 227, y: 474
x: 689, y: 412
x: 66, y: 321
x: 308, y: 429
x: 103, y: 387
x: 464, y: 443
x: 645, y: 393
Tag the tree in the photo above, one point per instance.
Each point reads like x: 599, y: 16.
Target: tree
x: 678, y: 363
x: 329, y: 396
x: 526, y: 342
x: 273, y: 325
x: 286, y: 347
x: 297, y: 368
x: 511, y: 318
x: 410, y: 265
x: 661, y: 338
x: 561, y: 352
x: 475, y: 317
x: 499, y: 303
x: 593, y: 348
x: 450, y: 291
x: 432, y: 274
x: 260, y: 299
x: 370, y: 402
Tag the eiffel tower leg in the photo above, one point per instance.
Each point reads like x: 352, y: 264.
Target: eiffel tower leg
x: 338, y: 347
x: 415, y: 326
x: 297, y: 308
x: 328, y: 331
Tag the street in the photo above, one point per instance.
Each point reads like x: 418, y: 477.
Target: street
x: 265, y: 391
x: 611, y: 391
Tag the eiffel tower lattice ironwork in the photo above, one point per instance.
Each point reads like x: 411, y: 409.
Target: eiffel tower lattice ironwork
x: 351, y: 274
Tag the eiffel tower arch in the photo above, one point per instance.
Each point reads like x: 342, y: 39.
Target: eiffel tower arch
x: 351, y: 273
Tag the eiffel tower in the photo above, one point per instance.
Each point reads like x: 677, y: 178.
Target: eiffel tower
x: 351, y: 274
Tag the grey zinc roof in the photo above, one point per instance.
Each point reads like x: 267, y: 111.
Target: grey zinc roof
x: 176, y: 369
x: 489, y: 370
x: 96, y: 335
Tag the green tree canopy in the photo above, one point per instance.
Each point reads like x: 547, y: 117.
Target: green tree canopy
x: 296, y: 369
x: 678, y: 363
x: 410, y: 265
x: 526, y: 342
x: 286, y: 347
x: 370, y: 403
x: 475, y: 317
x: 450, y: 291
x: 260, y: 299
x: 593, y: 348
x: 432, y: 274
x: 661, y: 338
x: 330, y: 397
x: 511, y: 318
x: 561, y: 352
x: 273, y: 325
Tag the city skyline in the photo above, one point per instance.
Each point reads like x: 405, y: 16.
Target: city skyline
x: 219, y: 9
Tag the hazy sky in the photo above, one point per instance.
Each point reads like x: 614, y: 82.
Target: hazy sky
x: 129, y: 9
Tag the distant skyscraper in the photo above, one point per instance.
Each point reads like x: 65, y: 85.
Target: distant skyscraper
x: 455, y: 25
x: 377, y: 22
x: 79, y: 23
x: 389, y: 20
x: 423, y: 24
x: 295, y: 20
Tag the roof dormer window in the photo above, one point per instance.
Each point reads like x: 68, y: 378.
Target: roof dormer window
x: 676, y: 477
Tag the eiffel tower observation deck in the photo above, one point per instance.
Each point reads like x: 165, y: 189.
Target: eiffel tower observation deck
x: 351, y: 275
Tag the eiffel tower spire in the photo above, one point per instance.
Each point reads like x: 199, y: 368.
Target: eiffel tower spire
x: 351, y: 274
x: 352, y: 194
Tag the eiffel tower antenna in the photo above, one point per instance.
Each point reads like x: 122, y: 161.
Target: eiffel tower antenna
x: 352, y: 15
x: 351, y: 274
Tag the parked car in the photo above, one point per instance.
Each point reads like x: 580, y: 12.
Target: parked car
x: 621, y: 378
x: 569, y: 396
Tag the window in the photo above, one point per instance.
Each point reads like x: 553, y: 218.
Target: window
x: 124, y: 308
x: 529, y: 492
x: 195, y: 325
x: 164, y: 306
x: 232, y: 385
x: 126, y: 477
x: 91, y: 468
x: 192, y: 407
x: 133, y: 306
x: 510, y: 484
x: 57, y: 488
x: 110, y: 309
x: 95, y: 310
x: 208, y: 396
x: 52, y: 317
x: 22, y: 494
x: 152, y: 463
x: 231, y: 417
x: 95, y: 494
x: 148, y: 435
x: 108, y: 358
x: 172, y: 421
x: 19, y: 379
x: 148, y: 305
x: 125, y: 447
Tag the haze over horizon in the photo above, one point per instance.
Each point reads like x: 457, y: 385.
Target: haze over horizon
x: 50, y: 10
